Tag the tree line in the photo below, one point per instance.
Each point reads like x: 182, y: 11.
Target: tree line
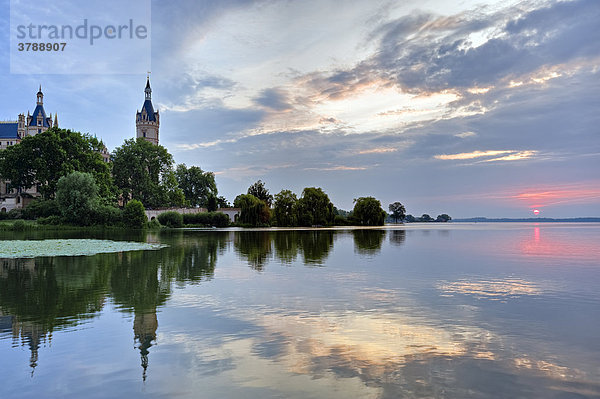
x: 78, y: 187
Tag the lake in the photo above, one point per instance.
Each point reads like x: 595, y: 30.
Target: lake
x: 428, y: 310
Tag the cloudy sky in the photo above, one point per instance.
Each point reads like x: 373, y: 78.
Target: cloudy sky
x: 468, y: 108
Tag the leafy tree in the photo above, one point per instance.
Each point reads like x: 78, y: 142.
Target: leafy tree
x: 212, y: 204
x: 254, y: 212
x: 77, y: 197
x: 259, y: 191
x: 134, y: 214
x: 398, y: 212
x: 144, y: 171
x: 222, y: 202
x: 44, y: 158
x: 443, y: 218
x: 425, y: 218
x: 410, y: 219
x: 367, y: 212
x: 285, y: 208
x: 314, y: 208
x: 198, y: 186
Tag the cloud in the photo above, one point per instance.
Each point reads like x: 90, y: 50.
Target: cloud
x: 471, y: 155
x: 464, y: 135
x: 424, y: 52
x: 339, y: 167
x: 274, y: 98
x: 516, y: 156
x: 380, y: 150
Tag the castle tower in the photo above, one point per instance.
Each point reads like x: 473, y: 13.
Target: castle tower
x: 38, y: 122
x: 147, y: 121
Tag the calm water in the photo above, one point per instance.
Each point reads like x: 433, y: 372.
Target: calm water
x: 454, y: 311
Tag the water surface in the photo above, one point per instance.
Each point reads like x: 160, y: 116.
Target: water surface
x: 454, y: 310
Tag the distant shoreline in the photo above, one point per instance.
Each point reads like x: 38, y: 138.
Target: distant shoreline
x: 536, y: 220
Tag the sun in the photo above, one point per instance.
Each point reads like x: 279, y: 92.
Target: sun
x: 536, y: 212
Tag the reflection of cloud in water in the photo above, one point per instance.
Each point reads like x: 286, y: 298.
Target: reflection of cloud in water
x: 491, y: 289
x: 376, y: 353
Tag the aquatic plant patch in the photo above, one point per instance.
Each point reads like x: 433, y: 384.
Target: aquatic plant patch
x: 69, y: 247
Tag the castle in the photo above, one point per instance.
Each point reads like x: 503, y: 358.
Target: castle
x: 147, y: 123
x: 13, y: 132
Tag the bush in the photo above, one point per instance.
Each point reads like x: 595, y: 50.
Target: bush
x: 216, y: 219
x: 16, y: 213
x: 171, y: 219
x: 134, y: 215
x: 341, y: 221
x: 107, y: 215
x: 53, y: 220
x: 19, y: 225
x: 41, y: 209
x: 154, y: 224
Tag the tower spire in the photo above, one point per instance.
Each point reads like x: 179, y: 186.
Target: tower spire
x: 148, y: 90
x: 40, y: 96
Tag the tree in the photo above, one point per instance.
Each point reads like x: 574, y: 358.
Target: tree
x: 134, y: 214
x: 314, y: 208
x: 367, y: 211
x: 425, y: 218
x: 222, y: 202
x: 410, y: 218
x: 212, y: 204
x: 196, y: 184
x: 254, y: 212
x: 285, y: 207
x: 398, y: 212
x: 259, y: 191
x: 44, y: 158
x: 443, y: 218
x: 77, y: 197
x: 144, y: 171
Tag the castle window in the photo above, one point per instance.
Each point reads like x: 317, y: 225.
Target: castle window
x: 39, y: 122
x: 39, y: 131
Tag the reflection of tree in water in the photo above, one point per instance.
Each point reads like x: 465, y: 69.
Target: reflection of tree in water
x: 286, y: 246
x: 253, y: 246
x: 45, y: 294
x: 367, y: 241
x: 315, y: 245
x: 41, y: 295
x: 397, y: 237
x: 199, y: 254
x: 257, y: 246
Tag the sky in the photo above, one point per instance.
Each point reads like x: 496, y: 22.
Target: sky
x: 468, y: 108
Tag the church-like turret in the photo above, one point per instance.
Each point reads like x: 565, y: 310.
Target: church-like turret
x: 38, y: 122
x: 147, y: 121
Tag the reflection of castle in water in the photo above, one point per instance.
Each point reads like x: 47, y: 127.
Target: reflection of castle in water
x: 27, y: 332
x: 40, y: 296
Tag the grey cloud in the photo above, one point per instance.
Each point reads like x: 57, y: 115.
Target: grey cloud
x: 273, y: 98
x: 425, y: 53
